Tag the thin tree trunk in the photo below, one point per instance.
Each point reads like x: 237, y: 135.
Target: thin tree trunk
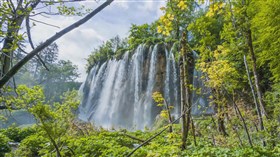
x: 212, y: 134
x: 256, y: 76
x: 242, y: 119
x: 156, y: 135
x: 58, y: 154
x: 183, y: 103
x: 255, y: 100
x: 169, y: 116
x: 188, y: 97
x: 33, y: 53
x: 244, y: 124
x: 193, y: 130
x: 185, y: 91
x: 235, y: 130
x: 221, y: 115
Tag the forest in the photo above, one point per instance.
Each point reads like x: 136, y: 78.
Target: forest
x: 201, y: 80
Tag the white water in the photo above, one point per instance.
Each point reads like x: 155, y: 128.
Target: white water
x: 118, y: 93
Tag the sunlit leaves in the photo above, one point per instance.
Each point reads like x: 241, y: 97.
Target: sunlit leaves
x: 166, y: 24
x: 174, y: 13
x: 266, y: 26
x: 164, y: 114
x: 221, y: 72
x: 182, y: 5
x: 158, y: 98
x: 215, y: 8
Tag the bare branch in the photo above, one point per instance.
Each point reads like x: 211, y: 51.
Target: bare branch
x: 11, y: 5
x: 44, y: 23
x: 32, y: 4
x: 5, y: 55
x: 41, y: 13
x: 159, y: 133
x: 38, y: 58
x: 28, y: 32
x: 19, y: 4
x: 156, y: 135
x: 71, y: 1
x: 41, y: 7
x: 132, y: 137
x: 31, y: 43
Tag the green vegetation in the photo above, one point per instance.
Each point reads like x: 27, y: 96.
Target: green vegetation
x: 237, y: 42
x: 114, y: 48
x: 99, y: 142
x: 59, y: 76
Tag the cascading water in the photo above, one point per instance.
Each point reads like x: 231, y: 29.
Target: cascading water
x: 118, y: 93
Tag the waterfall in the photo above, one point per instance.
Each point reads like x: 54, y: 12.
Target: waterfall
x: 118, y: 93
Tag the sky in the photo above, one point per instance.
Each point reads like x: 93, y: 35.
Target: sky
x: 114, y: 20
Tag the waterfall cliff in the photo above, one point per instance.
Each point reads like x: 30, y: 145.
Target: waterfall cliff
x: 118, y: 93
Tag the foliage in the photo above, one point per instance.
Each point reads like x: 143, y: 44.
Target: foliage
x: 17, y: 134
x: 113, y: 48
x: 158, y: 98
x: 4, y: 146
x: 266, y: 27
x: 116, y: 47
x: 56, y: 126
x: 14, y: 13
x: 219, y: 31
x: 176, y: 18
x: 60, y: 77
x: 32, y: 145
x: 53, y: 121
x: 143, y: 34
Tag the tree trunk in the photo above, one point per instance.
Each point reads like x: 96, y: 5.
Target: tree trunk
x: 241, y: 117
x: 186, y: 60
x: 169, y: 116
x: 221, y: 117
x: 183, y: 103
x: 14, y: 25
x: 8, y: 45
x: 254, y: 97
x: 256, y: 76
x: 193, y: 130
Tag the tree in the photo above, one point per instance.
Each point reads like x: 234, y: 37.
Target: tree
x: 59, y: 79
x: 265, y: 24
x: 7, y: 72
x: 53, y: 120
x: 174, y: 24
x: 60, y: 76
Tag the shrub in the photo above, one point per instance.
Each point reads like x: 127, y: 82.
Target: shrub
x: 4, y: 145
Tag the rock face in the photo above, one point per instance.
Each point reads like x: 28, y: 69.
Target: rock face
x: 118, y: 93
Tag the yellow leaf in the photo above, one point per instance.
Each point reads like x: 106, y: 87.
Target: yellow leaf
x: 162, y: 8
x: 159, y: 29
x: 182, y: 5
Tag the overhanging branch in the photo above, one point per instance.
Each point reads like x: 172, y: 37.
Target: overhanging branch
x: 39, y: 48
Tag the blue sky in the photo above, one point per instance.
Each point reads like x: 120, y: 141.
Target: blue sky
x: 115, y: 19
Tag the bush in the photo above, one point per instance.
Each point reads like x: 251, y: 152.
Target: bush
x: 4, y: 146
x: 17, y: 134
x: 31, y: 145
